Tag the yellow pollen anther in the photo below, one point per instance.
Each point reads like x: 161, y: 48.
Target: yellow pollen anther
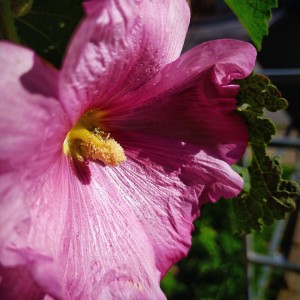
x: 83, y: 144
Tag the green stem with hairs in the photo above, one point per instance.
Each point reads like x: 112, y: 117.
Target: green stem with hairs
x: 7, y: 25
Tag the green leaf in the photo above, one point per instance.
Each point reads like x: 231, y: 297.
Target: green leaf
x: 254, y: 15
x: 48, y: 27
x: 267, y: 197
x: 21, y: 7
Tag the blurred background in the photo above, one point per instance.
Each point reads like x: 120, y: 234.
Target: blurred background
x: 266, y: 265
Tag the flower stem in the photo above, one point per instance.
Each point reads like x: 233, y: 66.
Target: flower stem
x: 7, y: 25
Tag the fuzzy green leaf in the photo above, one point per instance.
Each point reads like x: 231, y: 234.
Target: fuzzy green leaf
x: 268, y: 197
x: 254, y: 15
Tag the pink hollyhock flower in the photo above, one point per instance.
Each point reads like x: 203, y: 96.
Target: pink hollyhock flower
x: 105, y: 163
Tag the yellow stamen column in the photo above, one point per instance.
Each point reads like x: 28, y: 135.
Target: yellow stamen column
x: 82, y: 143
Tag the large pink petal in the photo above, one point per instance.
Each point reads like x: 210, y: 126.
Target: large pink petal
x: 180, y: 133
x: 108, y: 225
x: 32, y: 121
x: 165, y: 181
x: 117, y: 48
x: 32, y: 126
x: 98, y: 244
x: 192, y: 100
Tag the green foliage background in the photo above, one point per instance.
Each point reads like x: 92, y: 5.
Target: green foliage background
x: 215, y: 266
x: 48, y: 27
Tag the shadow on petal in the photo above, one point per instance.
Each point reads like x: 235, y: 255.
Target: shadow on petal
x: 82, y: 171
x: 17, y: 283
x: 41, y: 79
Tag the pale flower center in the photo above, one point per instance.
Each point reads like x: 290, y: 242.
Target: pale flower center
x: 86, y: 141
